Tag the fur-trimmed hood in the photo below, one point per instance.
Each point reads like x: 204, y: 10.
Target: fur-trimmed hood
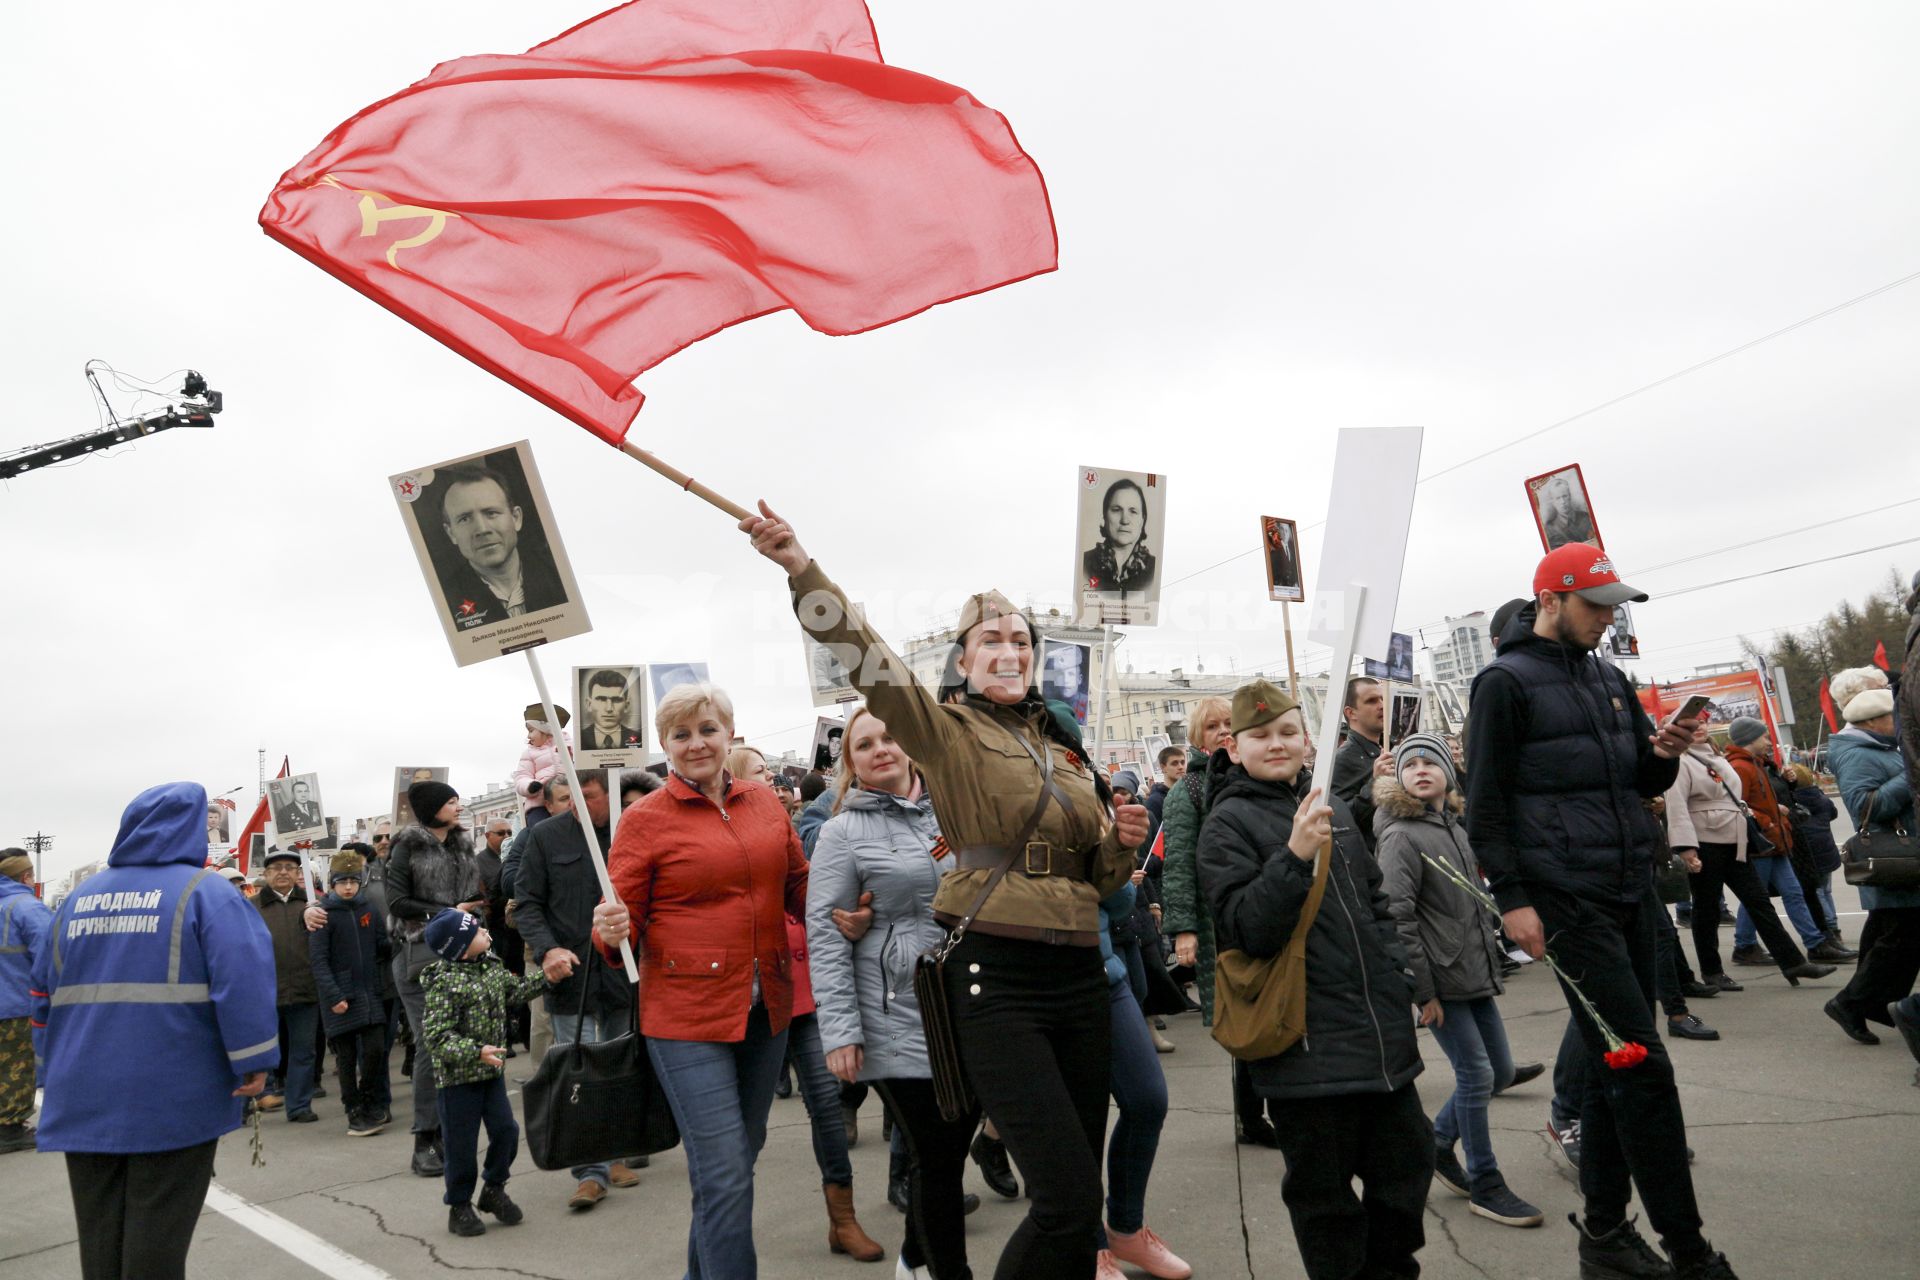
x: 1392, y: 800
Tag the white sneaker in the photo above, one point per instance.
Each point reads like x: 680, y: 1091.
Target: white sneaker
x: 901, y: 1271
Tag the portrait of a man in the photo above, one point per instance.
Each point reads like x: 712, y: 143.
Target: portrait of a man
x: 404, y: 777
x: 612, y: 735
x: 1118, y: 524
x: 217, y: 824
x: 1065, y: 675
x: 1561, y: 508
x: 295, y: 804
x: 1280, y: 540
x: 827, y: 738
x: 484, y: 533
x: 827, y: 674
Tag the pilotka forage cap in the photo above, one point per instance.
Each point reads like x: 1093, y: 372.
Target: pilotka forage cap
x: 979, y: 608
x: 1255, y: 704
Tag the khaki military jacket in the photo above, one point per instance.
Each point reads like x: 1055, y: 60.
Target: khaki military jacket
x: 984, y: 783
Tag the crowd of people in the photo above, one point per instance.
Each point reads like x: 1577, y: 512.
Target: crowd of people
x: 966, y: 919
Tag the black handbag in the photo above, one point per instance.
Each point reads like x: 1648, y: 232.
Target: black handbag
x: 594, y: 1103
x: 950, y: 1088
x: 1880, y: 859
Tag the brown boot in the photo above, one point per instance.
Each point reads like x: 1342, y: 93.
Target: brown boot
x: 843, y: 1229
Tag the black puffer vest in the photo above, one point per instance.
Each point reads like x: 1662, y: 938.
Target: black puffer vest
x: 1578, y: 822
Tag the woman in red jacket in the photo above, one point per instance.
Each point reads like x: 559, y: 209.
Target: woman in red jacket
x: 707, y: 870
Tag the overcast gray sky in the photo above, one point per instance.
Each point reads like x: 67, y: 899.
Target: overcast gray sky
x: 1275, y: 221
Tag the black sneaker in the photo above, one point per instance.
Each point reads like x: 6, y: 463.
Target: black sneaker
x: 494, y: 1200
x: 1753, y: 954
x: 301, y: 1117
x: 1568, y: 1140
x: 1448, y: 1173
x: 1709, y: 1266
x: 1493, y: 1200
x: 990, y: 1154
x: 16, y: 1137
x: 1621, y: 1254
x: 463, y: 1221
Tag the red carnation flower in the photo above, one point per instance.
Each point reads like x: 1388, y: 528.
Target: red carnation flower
x: 1629, y: 1054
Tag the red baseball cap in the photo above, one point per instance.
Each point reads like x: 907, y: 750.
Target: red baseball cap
x: 1583, y: 569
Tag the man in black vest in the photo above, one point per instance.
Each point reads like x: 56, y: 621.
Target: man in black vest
x: 1560, y: 755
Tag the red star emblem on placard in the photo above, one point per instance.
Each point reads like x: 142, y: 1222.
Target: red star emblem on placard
x: 1093, y: 584
x: 406, y: 487
x: 467, y: 608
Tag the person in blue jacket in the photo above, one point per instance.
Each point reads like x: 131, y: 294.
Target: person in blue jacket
x: 23, y: 934
x: 154, y: 965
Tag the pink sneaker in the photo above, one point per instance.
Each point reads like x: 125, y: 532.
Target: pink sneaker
x: 1105, y: 1268
x: 1146, y: 1251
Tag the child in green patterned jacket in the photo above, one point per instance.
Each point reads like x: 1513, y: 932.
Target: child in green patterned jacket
x: 468, y: 994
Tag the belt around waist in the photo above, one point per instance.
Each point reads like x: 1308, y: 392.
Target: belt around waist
x: 1026, y: 932
x: 1039, y: 858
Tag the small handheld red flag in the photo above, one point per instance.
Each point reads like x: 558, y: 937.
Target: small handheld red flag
x: 569, y: 217
x: 1827, y: 708
x: 1880, y: 656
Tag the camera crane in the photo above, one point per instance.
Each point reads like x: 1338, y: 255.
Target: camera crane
x: 192, y: 406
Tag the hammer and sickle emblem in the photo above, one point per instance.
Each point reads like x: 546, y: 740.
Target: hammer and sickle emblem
x: 372, y: 215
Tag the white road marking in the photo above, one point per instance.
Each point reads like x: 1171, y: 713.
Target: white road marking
x: 326, y: 1258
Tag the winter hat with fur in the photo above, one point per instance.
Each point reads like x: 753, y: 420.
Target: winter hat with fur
x: 1848, y: 685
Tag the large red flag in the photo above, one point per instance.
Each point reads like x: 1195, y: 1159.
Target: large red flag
x: 569, y: 217
x: 1827, y: 708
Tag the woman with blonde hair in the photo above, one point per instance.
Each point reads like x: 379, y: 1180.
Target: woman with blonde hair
x: 705, y: 871
x: 1036, y: 844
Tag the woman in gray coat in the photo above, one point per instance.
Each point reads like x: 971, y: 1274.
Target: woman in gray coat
x: 1449, y: 936
x: 883, y: 840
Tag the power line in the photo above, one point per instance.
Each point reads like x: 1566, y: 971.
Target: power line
x: 1702, y: 555
x: 1747, y: 577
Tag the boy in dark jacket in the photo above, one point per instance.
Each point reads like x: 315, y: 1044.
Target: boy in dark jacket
x: 349, y: 954
x: 1349, y: 1107
x: 464, y: 1032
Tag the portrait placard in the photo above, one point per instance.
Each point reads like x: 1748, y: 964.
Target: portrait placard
x: 611, y: 731
x: 1622, y: 640
x: 828, y: 676
x: 1066, y: 675
x: 828, y: 736
x: 1280, y: 548
x: 331, y: 840
x: 1155, y: 744
x: 1446, y: 699
x: 218, y: 823
x: 1403, y: 718
x: 487, y: 542
x: 666, y: 676
x: 256, y: 855
x: 1120, y: 521
x: 404, y: 777
x: 294, y: 806
x: 1562, y: 511
x: 1399, y: 663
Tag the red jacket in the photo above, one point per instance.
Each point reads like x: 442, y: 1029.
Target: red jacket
x: 1758, y: 793
x: 710, y: 894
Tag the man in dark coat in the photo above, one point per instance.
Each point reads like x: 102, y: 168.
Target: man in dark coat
x: 500, y: 574
x: 281, y: 905
x: 1560, y: 756
x: 1359, y: 760
x: 555, y: 893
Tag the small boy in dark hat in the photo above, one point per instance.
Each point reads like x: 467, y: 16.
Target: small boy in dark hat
x: 349, y: 953
x: 468, y: 993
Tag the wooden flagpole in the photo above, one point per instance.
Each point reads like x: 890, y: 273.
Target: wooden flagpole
x: 1293, y: 681
x: 686, y: 482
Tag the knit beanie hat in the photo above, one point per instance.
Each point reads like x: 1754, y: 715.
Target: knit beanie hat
x: 428, y: 798
x: 1746, y: 730
x: 1870, y: 705
x: 450, y: 933
x: 1424, y: 746
x: 1126, y: 780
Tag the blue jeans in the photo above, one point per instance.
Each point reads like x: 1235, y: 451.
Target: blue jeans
x: 463, y: 1109
x: 1475, y: 1042
x: 1776, y: 876
x: 720, y: 1093
x: 299, y: 1024
x: 820, y: 1091
x: 1139, y: 1088
x: 594, y: 1028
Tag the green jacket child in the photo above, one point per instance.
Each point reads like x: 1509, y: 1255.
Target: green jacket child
x: 466, y: 1012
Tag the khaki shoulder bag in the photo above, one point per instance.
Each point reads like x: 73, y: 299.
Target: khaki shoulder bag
x: 1260, y: 1005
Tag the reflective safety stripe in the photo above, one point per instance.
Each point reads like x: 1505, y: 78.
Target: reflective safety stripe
x: 132, y: 993
x: 180, y: 923
x: 271, y: 1042
x: 14, y: 951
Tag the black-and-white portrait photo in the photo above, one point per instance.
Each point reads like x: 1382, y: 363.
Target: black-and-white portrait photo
x: 405, y: 776
x: 487, y: 542
x: 1155, y: 743
x: 1562, y: 509
x: 1399, y: 663
x: 828, y: 678
x: 671, y: 675
x: 1116, y: 533
x: 1066, y: 675
x: 294, y: 804
x: 217, y: 823
x: 1622, y: 641
x: 611, y: 732
x: 1280, y: 541
x: 1404, y: 718
x: 828, y: 737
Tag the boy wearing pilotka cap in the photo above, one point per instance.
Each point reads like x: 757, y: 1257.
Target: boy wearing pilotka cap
x: 464, y: 1031
x: 1349, y: 1109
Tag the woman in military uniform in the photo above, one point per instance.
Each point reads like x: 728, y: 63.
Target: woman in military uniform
x: 1026, y: 983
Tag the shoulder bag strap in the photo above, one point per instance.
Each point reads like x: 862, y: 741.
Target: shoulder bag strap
x: 1308, y: 913
x: 1048, y: 793
x: 1738, y: 803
